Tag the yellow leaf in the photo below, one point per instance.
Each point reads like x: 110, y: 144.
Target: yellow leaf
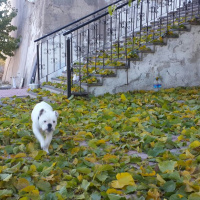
x: 75, y: 162
x: 153, y: 194
x: 102, y: 141
x: 134, y: 119
x: 32, y: 168
x: 152, y: 144
x: 49, y: 178
x: 89, y: 134
x: 189, y: 155
x: 24, y: 198
x: 160, y: 179
x: 80, y: 177
x: 29, y: 188
x: 35, y: 192
x: 109, y: 157
x: 186, y: 175
x: 180, y: 137
x: 91, y: 159
x: 108, y: 128
x: 20, y: 155
x: 75, y: 150
x: 180, y: 196
x: 183, y: 132
x: 123, y: 98
x: 123, y: 179
x: 22, y: 183
x: 195, y: 144
x: 113, y: 191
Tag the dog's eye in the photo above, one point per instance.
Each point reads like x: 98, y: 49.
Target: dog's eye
x: 54, y: 122
x: 45, y: 121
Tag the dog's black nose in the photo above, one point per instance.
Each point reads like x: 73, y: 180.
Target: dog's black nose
x: 49, y: 126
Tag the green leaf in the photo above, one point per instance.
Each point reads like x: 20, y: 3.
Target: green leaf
x: 5, y: 193
x: 102, y: 177
x: 85, y: 185
x: 130, y: 189
x: 63, y: 191
x: 40, y: 154
x: 9, y: 149
x: 157, y: 132
x: 177, y: 197
x: 95, y: 196
x: 83, y: 170
x: 156, y: 151
x: 194, y: 196
x: 44, y: 185
x: 114, y: 197
x: 5, y: 177
x: 23, y: 133
x: 169, y: 186
x: 167, y: 166
x: 47, y: 170
x: 13, y: 169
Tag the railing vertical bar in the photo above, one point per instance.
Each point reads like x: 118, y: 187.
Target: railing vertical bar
x: 167, y: 8
x: 99, y: 33
x: 60, y: 46
x: 47, y: 60
x: 80, y: 49
x: 95, y: 41
x: 154, y: 19
x: 111, y: 39
x: 179, y: 13
x: 105, y: 36
x: 126, y: 37
x: 38, y: 63
x: 137, y: 14
x: 71, y: 49
x: 41, y: 66
x: 133, y: 39
x: 185, y: 10
x: 68, y: 69
x: 118, y: 42
x: 161, y: 10
x: 54, y: 61
x: 147, y: 20
x: 192, y: 10
x: 88, y: 50
x: 141, y: 9
x: 173, y: 14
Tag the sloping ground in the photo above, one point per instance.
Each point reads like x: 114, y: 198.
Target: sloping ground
x: 135, y: 145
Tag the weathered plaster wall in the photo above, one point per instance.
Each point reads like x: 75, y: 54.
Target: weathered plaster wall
x: 37, y: 18
x: 178, y: 64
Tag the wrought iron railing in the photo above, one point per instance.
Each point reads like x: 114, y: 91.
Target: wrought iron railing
x: 102, y: 41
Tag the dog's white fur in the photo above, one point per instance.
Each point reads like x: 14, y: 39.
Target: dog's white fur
x: 44, y: 121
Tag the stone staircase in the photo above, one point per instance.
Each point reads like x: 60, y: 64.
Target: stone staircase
x: 110, y: 71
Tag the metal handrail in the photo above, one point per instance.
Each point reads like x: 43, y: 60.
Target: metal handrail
x: 89, y: 15
x: 94, y: 19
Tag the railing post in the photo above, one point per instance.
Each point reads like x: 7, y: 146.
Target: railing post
x: 68, y: 69
x: 38, y: 64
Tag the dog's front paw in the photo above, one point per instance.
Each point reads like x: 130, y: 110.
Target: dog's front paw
x: 42, y: 146
x: 45, y: 148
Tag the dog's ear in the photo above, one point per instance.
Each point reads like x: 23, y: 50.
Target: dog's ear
x: 56, y: 113
x: 41, y: 112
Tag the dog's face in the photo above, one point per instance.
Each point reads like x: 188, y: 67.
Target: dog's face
x: 48, y: 120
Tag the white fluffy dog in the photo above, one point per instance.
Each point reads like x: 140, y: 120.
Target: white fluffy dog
x: 44, y: 121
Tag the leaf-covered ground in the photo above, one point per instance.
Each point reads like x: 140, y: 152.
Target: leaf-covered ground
x: 136, y: 145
